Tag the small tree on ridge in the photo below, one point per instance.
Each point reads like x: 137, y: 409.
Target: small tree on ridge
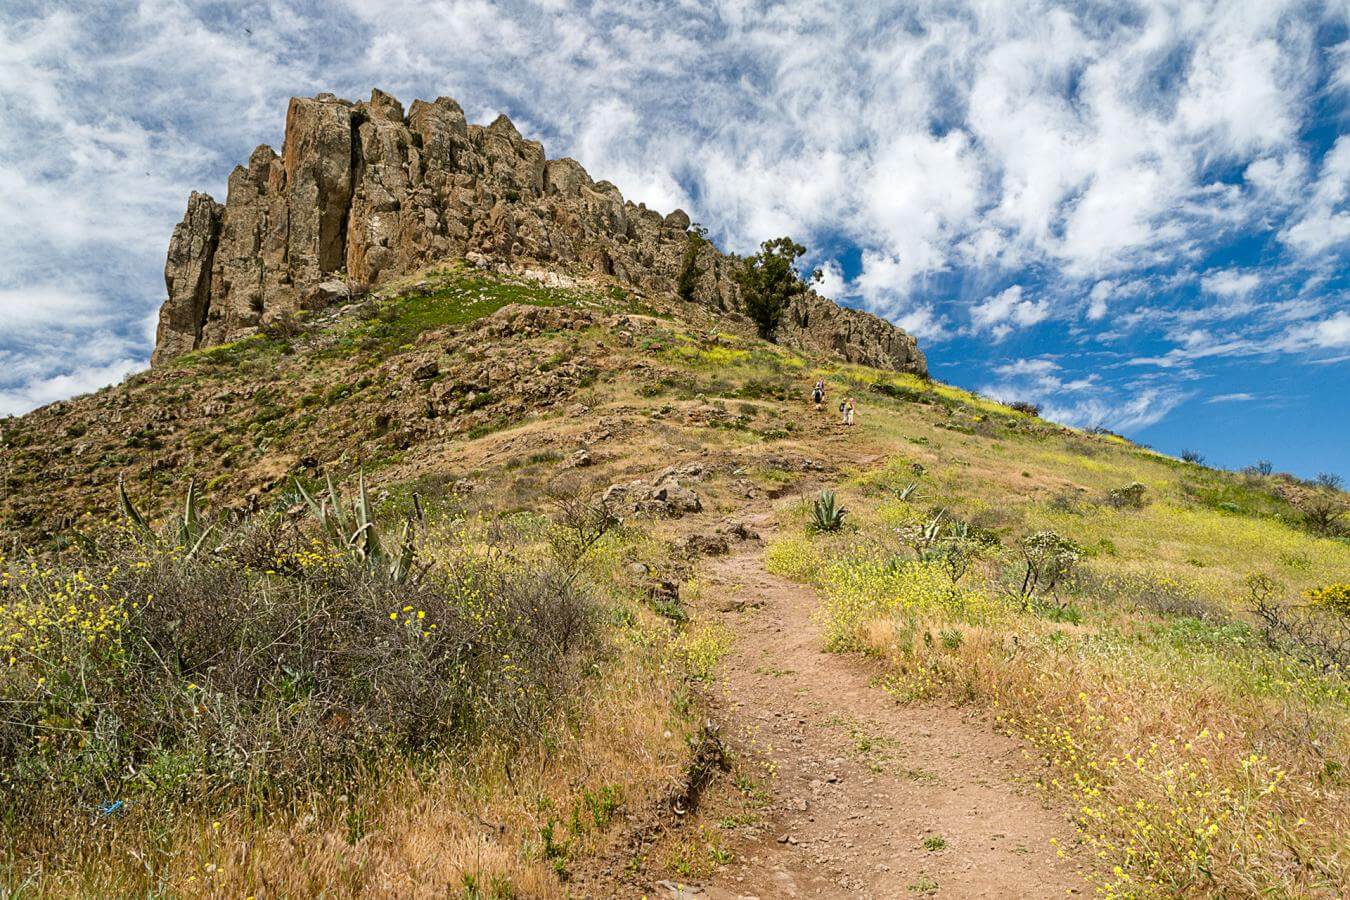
x: 769, y: 280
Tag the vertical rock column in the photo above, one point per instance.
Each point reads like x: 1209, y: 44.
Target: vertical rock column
x: 250, y: 261
x: 317, y: 159
x: 435, y: 226
x: 381, y: 187
x: 187, y: 275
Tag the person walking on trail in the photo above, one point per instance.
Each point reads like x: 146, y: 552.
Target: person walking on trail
x: 843, y: 412
x: 818, y: 394
x: 848, y: 411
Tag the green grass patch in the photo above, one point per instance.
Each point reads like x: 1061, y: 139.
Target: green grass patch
x: 393, y: 323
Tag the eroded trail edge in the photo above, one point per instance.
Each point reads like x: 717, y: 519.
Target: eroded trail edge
x: 871, y: 798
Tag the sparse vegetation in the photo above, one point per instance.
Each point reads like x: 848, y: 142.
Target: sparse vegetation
x: 1262, y: 468
x: 282, y: 683
x: 235, y: 671
x: 1324, y: 513
x: 455, y: 298
x: 1330, y: 481
x: 1317, y: 632
x: 1189, y: 726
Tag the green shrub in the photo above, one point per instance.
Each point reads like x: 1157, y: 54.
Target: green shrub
x: 769, y: 282
x: 273, y: 664
x: 358, y: 536
x: 951, y: 544
x: 1316, y: 633
x: 1323, y: 514
x: 1129, y: 497
x: 1049, y: 560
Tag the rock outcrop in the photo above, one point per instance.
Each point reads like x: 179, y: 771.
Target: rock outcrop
x: 363, y: 192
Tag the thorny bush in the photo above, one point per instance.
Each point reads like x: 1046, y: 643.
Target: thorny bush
x: 1315, y: 633
x: 1050, y: 559
x: 1131, y: 496
x: 951, y: 544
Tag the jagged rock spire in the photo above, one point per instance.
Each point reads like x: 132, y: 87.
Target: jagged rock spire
x: 363, y: 192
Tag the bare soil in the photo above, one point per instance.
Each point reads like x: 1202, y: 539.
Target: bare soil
x: 870, y: 798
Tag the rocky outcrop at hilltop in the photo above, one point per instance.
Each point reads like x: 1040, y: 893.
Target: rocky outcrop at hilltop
x: 362, y: 192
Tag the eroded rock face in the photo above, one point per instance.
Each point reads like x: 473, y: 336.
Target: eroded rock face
x: 855, y: 336
x: 187, y: 276
x: 363, y: 192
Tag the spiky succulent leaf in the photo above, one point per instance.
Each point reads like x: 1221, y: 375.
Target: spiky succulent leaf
x: 130, y: 512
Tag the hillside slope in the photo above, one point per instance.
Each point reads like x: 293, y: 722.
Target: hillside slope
x: 446, y: 550
x: 1178, y: 743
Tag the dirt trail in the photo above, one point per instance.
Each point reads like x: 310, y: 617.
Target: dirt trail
x: 871, y: 798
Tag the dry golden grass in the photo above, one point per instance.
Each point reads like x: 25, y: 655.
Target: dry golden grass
x: 473, y: 829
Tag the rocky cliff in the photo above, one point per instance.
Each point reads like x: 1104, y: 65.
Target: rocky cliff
x: 362, y: 192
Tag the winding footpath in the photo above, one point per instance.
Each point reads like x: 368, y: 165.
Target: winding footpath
x: 871, y: 798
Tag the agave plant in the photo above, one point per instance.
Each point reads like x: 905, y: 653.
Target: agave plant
x: 357, y: 534
x: 189, y: 531
x: 826, y: 513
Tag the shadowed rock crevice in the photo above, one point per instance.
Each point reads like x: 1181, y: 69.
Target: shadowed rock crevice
x: 364, y: 192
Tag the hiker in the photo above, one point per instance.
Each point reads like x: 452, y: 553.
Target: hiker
x: 818, y: 394
x: 848, y: 411
x: 843, y: 412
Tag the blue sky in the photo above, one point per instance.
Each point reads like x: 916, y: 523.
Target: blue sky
x: 1136, y: 214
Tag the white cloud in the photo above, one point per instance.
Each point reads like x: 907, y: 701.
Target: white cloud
x: 1331, y: 333
x: 35, y: 310
x: 1037, y: 367
x: 1340, y: 61
x: 1085, y: 401
x: 1236, y: 397
x: 1240, y: 84
x: 1278, y: 178
x: 1299, y: 333
x: 924, y: 322
x: 1230, y: 282
x: 1002, y: 313
x: 41, y: 391
x: 1323, y: 222
x: 1038, y: 379
x: 832, y: 283
x: 919, y: 194
x: 1097, y: 299
x: 1130, y: 410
